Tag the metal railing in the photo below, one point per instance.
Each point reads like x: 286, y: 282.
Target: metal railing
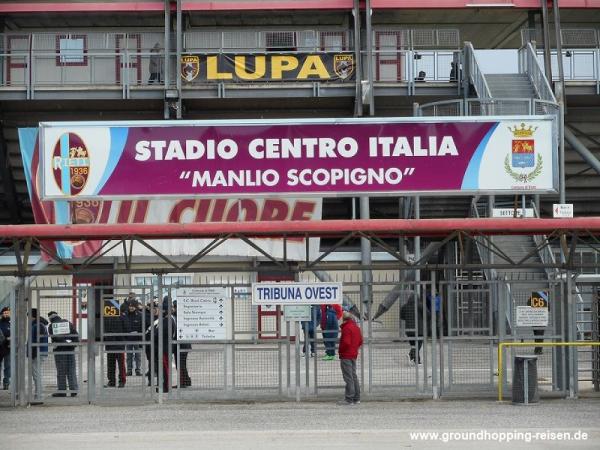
x: 529, y: 64
x: 581, y: 65
x: 570, y: 37
x: 474, y: 73
x: 414, y: 66
x: 544, y: 249
x: 488, y: 107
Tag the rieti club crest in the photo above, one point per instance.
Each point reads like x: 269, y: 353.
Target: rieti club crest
x: 522, y: 155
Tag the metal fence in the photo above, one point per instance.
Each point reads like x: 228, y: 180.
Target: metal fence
x: 418, y: 347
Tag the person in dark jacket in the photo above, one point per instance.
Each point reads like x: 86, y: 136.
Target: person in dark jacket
x: 309, y: 330
x: 412, y: 314
x: 350, y: 342
x: 330, y: 314
x: 184, y: 376
x: 64, y: 334
x: 5, y: 345
x: 39, y: 351
x: 152, y: 334
x: 113, y: 332
x: 132, y: 324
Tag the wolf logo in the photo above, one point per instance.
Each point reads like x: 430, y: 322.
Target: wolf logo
x: 190, y: 67
x: 343, y: 65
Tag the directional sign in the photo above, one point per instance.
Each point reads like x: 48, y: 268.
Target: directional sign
x: 201, y: 313
x: 562, y: 210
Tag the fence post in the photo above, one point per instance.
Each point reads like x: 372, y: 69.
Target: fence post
x: 434, y: 343
x: 91, y: 344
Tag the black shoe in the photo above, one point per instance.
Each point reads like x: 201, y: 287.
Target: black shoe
x: 129, y: 373
x: 5, y: 387
x: 138, y: 373
x: 110, y: 384
x: 538, y: 351
x: 73, y: 394
x: 121, y: 384
x: 59, y: 394
x: 36, y: 403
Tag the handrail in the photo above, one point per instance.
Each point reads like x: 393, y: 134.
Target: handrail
x: 544, y: 253
x: 475, y: 74
x: 531, y: 66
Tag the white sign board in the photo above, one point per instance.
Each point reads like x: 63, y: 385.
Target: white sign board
x: 60, y: 328
x: 562, y: 210
x: 511, y: 212
x: 201, y: 313
x: 296, y: 293
x: 293, y: 313
x: 532, y: 317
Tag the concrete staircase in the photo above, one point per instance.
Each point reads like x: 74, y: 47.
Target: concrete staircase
x: 510, y: 85
x: 516, y: 248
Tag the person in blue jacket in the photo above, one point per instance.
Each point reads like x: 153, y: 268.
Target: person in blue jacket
x: 39, y: 351
x: 309, y: 330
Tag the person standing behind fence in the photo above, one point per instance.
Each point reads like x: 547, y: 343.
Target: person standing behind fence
x: 113, y: 332
x: 132, y: 324
x: 153, y: 333
x: 350, y: 342
x: 39, y: 352
x: 412, y: 314
x: 309, y: 330
x: 65, y: 335
x: 330, y: 314
x: 156, y: 65
x: 184, y: 376
x: 5, y: 345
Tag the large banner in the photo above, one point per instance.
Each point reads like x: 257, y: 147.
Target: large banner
x: 298, y: 158
x: 229, y: 67
x: 165, y: 211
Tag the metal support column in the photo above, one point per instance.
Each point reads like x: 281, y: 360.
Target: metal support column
x: 19, y: 376
x: 159, y: 369
x: 434, y: 339
x: 91, y: 345
x: 571, y: 334
x: 371, y: 96
x: 546, y: 34
x: 179, y: 37
x: 167, y: 64
x: 365, y: 257
x: 358, y: 106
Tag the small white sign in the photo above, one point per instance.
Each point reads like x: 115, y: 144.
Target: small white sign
x: 511, y: 212
x: 293, y: 313
x: 201, y: 313
x: 59, y: 328
x: 532, y: 317
x: 296, y: 293
x: 562, y: 210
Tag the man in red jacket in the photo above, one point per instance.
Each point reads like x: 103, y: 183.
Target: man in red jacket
x: 350, y: 341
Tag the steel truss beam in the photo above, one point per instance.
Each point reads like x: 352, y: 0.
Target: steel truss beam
x: 580, y: 231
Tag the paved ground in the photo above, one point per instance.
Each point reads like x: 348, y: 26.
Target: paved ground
x: 307, y: 425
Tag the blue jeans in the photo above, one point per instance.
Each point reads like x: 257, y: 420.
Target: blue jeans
x: 329, y: 339
x: 309, y: 337
x: 134, y: 357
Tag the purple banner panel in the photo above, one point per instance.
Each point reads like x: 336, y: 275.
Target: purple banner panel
x: 326, y: 158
